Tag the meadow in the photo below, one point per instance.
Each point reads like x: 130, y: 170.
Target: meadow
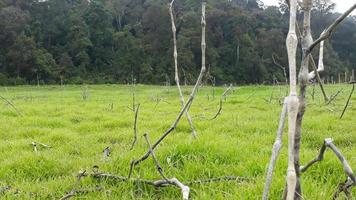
x: 79, y: 122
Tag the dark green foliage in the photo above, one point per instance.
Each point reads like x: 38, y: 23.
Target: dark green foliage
x: 111, y: 41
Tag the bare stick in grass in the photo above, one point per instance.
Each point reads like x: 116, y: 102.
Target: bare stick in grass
x: 333, y: 97
x: 348, y: 100
x: 185, y: 189
x: 135, y: 127
x: 275, y: 151
x: 187, y: 104
x: 11, y: 104
x: 176, y: 77
x: 224, y: 94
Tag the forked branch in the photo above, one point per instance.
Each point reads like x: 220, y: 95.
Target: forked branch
x: 224, y: 94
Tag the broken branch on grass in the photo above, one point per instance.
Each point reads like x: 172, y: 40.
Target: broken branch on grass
x: 75, y: 192
x: 348, y: 100
x: 135, y: 127
x: 176, y: 77
x: 224, y: 94
x: 328, y: 143
x: 106, y: 152
x: 189, y: 101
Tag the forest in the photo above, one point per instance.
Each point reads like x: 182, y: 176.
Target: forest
x: 118, y: 41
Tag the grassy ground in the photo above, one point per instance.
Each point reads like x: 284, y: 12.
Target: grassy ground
x: 237, y: 143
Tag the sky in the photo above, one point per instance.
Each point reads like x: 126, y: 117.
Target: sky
x: 341, y: 5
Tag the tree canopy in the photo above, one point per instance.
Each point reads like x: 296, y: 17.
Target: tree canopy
x: 111, y: 41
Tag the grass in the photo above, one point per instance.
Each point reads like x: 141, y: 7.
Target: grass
x: 237, y: 143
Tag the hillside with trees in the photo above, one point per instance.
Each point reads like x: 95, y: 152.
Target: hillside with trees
x: 111, y: 41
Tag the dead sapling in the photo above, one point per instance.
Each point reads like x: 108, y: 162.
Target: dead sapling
x: 135, y: 127
x: 176, y: 78
x: 222, y: 99
x: 189, y: 101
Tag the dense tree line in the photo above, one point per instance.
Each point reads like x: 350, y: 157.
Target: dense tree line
x: 111, y: 41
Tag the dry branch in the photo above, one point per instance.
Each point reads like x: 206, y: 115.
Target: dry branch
x: 348, y: 100
x: 187, y: 104
x: 135, y: 127
x: 332, y: 97
x: 11, y: 104
x: 175, y: 55
x: 275, y: 151
x: 328, y: 31
x: 224, y: 94
x: 280, y: 66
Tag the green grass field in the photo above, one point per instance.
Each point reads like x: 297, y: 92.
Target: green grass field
x: 238, y: 142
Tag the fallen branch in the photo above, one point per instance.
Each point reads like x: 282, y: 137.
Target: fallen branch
x: 135, y: 127
x: 75, y: 192
x: 223, y: 96
x: 348, y: 100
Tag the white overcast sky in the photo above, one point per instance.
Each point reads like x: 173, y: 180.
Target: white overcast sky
x: 341, y: 5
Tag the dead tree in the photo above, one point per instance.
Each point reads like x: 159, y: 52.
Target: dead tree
x: 176, y: 77
x: 295, y: 105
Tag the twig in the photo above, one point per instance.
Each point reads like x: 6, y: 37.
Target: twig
x: 328, y: 31
x: 348, y: 100
x: 158, y: 166
x: 75, y: 192
x: 280, y: 66
x: 135, y: 127
x: 332, y: 97
x: 11, y: 104
x: 344, y: 187
x: 187, y: 104
x: 224, y: 94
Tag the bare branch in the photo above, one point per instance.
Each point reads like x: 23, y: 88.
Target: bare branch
x: 328, y: 31
x: 348, y: 100
x: 175, y: 55
x: 135, y: 127
x: 275, y: 151
x: 280, y: 66
x: 328, y: 143
x: 187, y: 104
x: 11, y: 104
x: 224, y: 94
